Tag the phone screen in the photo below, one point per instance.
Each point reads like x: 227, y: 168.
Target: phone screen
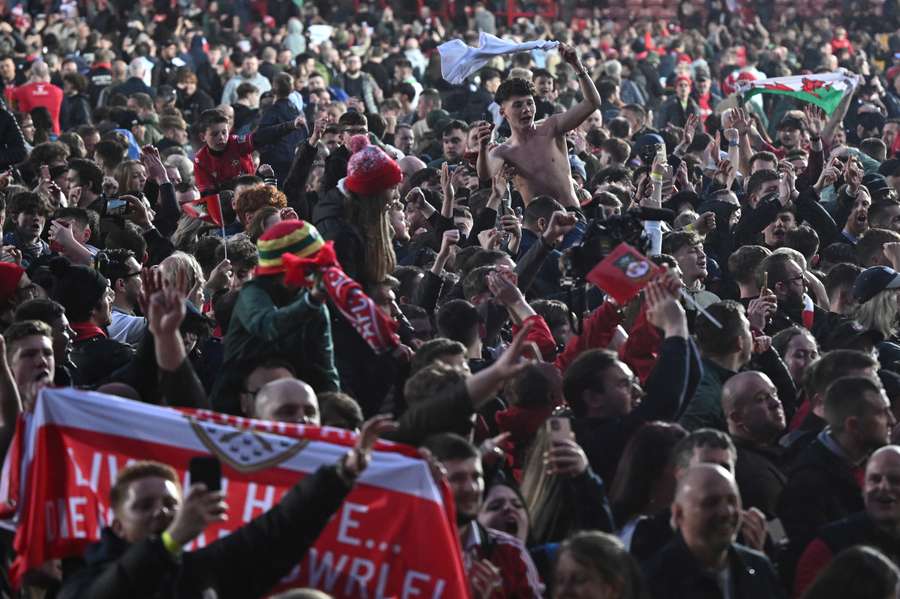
x: 116, y: 207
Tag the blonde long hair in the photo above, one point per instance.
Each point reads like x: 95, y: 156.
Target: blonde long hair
x: 540, y: 489
x: 880, y: 313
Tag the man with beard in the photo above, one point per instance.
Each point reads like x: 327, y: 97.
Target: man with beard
x: 785, y: 278
x: 824, y: 483
x: 359, y: 84
x: 124, y: 274
x: 703, y: 559
x: 755, y: 419
x: 498, y: 564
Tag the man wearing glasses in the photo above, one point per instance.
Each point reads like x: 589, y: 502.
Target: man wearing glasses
x: 786, y: 280
x: 123, y: 271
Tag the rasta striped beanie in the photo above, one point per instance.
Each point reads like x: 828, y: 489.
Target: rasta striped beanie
x: 289, y: 236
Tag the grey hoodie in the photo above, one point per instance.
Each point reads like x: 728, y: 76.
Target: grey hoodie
x: 294, y: 40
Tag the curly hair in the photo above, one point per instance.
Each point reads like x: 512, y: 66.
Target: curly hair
x: 252, y: 199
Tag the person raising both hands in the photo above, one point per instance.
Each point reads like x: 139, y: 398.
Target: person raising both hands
x: 537, y: 150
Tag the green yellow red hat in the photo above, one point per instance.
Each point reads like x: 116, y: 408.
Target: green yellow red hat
x: 295, y: 237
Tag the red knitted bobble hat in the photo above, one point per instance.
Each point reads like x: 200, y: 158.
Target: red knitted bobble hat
x: 370, y: 171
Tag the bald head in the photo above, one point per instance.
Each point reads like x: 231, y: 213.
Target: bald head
x: 752, y: 408
x: 39, y: 71
x: 410, y: 165
x: 889, y: 455
x: 137, y: 68
x: 881, y: 488
x: 287, y: 400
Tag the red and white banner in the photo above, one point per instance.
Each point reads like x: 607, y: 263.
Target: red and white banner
x: 392, y: 537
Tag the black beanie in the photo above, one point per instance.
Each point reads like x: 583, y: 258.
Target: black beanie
x: 78, y: 288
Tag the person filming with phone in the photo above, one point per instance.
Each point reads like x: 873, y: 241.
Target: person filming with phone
x: 141, y: 554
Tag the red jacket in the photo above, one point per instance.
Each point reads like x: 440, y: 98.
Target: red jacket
x: 597, y: 332
x: 641, y: 350
x: 508, y: 554
x: 212, y: 169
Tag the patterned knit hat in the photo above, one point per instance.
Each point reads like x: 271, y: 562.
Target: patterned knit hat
x: 289, y: 236
x: 370, y: 170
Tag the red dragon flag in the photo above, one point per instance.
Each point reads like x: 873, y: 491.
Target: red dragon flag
x: 393, y: 536
x: 825, y: 90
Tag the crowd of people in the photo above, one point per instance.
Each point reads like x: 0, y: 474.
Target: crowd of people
x: 729, y: 431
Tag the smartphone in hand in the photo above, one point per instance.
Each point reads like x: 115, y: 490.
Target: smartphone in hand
x: 560, y: 428
x: 206, y: 470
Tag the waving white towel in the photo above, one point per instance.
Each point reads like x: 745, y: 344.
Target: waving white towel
x: 458, y: 60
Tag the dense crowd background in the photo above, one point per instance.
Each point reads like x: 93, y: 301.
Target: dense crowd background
x: 726, y: 433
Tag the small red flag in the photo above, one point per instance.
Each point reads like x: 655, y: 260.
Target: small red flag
x: 207, y: 209
x: 623, y: 273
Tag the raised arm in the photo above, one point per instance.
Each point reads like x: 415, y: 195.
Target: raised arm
x: 576, y: 115
x: 490, y: 160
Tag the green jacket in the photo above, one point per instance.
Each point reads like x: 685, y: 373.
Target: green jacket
x: 270, y: 322
x: 705, y: 408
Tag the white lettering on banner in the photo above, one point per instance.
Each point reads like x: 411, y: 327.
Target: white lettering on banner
x: 252, y: 503
x: 96, y: 465
x: 66, y: 519
x: 76, y: 517
x: 93, y: 483
x: 367, y: 552
x: 361, y: 572
x: 324, y: 568
x: 347, y: 523
x: 409, y: 584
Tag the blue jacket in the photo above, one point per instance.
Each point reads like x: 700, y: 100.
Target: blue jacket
x: 280, y: 153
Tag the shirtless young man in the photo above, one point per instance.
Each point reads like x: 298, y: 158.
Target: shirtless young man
x: 537, y: 151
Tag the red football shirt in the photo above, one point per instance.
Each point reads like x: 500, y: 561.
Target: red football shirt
x: 38, y: 94
x: 212, y: 169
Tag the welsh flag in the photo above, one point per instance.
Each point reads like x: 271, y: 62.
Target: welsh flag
x: 823, y: 90
x: 393, y: 536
